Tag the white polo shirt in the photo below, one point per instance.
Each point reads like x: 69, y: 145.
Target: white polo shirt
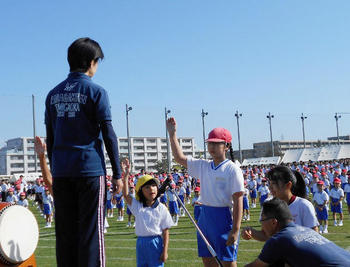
x: 252, y: 184
x: 264, y: 190
x: 347, y: 188
x: 336, y: 193
x: 303, y: 212
x: 321, y: 197
x: 150, y: 221
x: 218, y: 183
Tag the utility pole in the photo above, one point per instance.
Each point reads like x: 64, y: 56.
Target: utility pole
x: 205, y: 150
x: 238, y: 115
x: 337, y: 117
x: 302, y: 123
x: 269, y: 116
x: 127, y: 110
x: 34, y: 133
x: 167, y: 111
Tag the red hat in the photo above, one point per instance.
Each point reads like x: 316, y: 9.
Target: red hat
x: 264, y: 180
x: 344, y: 170
x: 22, y: 194
x: 162, y: 180
x: 10, y: 189
x: 337, y: 180
x: 320, y: 182
x: 315, y: 176
x: 323, y: 169
x: 172, y: 186
x: 109, y: 183
x: 323, y: 173
x: 336, y: 172
x: 219, y: 135
x: 198, y: 181
x: 197, y: 189
x: 18, y: 186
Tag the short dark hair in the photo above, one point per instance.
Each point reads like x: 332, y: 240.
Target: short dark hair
x: 81, y: 52
x: 278, y: 209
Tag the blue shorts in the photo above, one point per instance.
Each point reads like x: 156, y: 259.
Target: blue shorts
x: 47, y: 209
x: 182, y: 199
x: 173, y: 207
x: 128, y: 211
x: 348, y: 198
x: 307, y: 190
x: 197, y: 212
x: 188, y: 191
x: 336, y: 209
x: 109, y: 204
x: 216, y: 223
x: 322, y: 214
x: 163, y: 199
x: 148, y: 251
x: 263, y: 198
x: 120, y: 205
x: 253, y: 194
x: 245, y: 203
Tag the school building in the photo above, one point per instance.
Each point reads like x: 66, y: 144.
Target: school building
x: 18, y: 154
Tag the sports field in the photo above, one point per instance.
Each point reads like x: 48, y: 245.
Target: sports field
x: 120, y: 242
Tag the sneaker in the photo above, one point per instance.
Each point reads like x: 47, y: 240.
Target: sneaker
x: 321, y: 229
x: 335, y: 223
x: 325, y: 231
x: 121, y: 218
x: 340, y: 223
x: 248, y: 218
x: 129, y: 224
x: 244, y: 218
x: 133, y: 226
x: 105, y: 230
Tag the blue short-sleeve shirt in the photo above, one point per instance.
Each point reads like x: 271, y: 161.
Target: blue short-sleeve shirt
x: 74, y: 110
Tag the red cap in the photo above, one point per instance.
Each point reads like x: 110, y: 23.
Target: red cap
x: 10, y: 189
x: 162, y: 180
x: 22, y: 194
x: 336, y: 172
x: 109, y: 183
x: 197, y: 189
x: 198, y: 181
x: 320, y: 182
x: 219, y: 135
x: 344, y: 170
x: 315, y: 176
x: 323, y: 173
x: 264, y: 180
x: 18, y: 186
x: 337, y: 181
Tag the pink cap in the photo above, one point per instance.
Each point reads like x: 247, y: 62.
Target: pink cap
x: 197, y: 189
x: 320, y: 182
x: 11, y: 189
x: 219, y: 135
x: 22, y: 194
x: 337, y: 181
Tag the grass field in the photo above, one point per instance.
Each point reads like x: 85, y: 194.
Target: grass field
x: 120, y: 242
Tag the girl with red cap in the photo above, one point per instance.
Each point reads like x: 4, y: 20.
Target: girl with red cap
x: 222, y: 190
x: 337, y: 195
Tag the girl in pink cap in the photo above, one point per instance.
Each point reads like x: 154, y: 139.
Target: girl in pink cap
x: 222, y: 191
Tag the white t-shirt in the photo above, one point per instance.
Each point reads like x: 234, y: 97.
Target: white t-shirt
x: 11, y: 199
x: 171, y: 196
x: 347, y: 188
x: 150, y: 221
x: 303, y: 212
x: 264, y: 190
x: 23, y: 203
x: 336, y: 193
x: 218, y: 183
x: 252, y: 184
x: 182, y: 191
x: 321, y: 197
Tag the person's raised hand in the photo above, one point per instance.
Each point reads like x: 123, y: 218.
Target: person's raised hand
x: 39, y: 146
x: 126, y: 167
x: 171, y: 125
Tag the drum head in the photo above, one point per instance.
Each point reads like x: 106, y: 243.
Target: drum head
x: 19, y: 234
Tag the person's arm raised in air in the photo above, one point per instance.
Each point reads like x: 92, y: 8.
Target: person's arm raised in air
x: 40, y: 148
x: 175, y: 146
x: 126, y: 170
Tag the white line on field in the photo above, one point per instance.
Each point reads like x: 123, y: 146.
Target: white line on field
x: 134, y: 259
x: 134, y: 248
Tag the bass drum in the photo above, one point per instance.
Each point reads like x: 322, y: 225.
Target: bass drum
x: 19, y: 233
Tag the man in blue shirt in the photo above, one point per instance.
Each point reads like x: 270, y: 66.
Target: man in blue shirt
x: 78, y: 121
x: 293, y: 244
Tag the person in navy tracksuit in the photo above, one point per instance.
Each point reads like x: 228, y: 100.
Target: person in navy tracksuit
x: 78, y: 120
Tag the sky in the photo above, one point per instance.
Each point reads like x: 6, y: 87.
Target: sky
x: 254, y: 56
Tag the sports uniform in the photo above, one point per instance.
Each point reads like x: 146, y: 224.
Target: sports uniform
x: 264, y: 193
x: 77, y: 112
x: 218, y: 184
x: 336, y: 194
